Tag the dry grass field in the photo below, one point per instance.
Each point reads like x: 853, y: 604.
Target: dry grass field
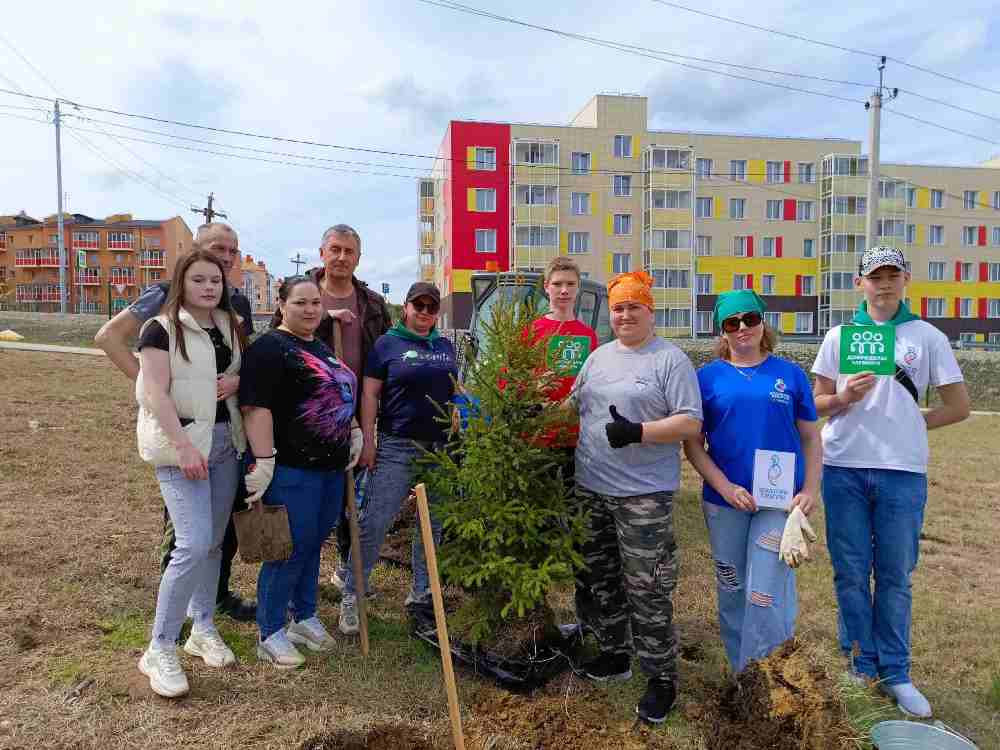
x: 80, y: 517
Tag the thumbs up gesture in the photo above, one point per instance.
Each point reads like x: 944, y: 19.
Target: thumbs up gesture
x: 621, y: 431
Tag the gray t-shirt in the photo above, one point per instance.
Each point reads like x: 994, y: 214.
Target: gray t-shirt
x: 147, y: 305
x: 647, y: 384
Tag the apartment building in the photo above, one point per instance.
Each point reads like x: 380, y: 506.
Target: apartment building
x: 257, y: 284
x: 703, y: 213
x: 108, y: 262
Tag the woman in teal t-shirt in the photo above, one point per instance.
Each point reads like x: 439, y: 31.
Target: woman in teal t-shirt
x: 752, y: 401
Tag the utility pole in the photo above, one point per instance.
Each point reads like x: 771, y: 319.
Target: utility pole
x: 63, y: 287
x: 874, y: 107
x: 208, y: 212
x: 297, y: 261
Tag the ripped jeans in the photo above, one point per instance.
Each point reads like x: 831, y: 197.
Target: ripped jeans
x: 758, y: 600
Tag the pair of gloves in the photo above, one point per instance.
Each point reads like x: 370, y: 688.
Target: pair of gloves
x: 258, y: 479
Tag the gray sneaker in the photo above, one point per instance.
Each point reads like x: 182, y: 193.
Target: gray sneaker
x: 910, y: 700
x: 163, y: 668
x: 348, y: 623
x: 280, y: 652
x: 311, y: 634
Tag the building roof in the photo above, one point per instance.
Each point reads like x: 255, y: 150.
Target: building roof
x: 83, y: 221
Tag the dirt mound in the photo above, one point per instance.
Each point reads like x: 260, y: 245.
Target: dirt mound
x: 783, y: 702
x: 379, y: 737
x: 396, y: 548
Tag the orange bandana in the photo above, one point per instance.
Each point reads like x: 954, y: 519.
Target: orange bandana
x: 634, y: 286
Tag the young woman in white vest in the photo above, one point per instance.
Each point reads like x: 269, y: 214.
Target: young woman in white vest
x: 192, y: 435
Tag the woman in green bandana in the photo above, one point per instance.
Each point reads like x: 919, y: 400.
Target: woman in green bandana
x: 409, y: 377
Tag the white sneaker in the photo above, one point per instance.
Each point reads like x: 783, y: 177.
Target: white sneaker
x: 910, y: 700
x: 210, y: 647
x: 163, y: 669
x: 311, y: 634
x: 348, y: 624
x: 279, y: 651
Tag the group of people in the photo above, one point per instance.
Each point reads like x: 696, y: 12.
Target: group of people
x: 283, y: 420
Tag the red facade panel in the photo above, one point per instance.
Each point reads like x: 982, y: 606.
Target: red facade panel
x: 798, y: 285
x: 923, y: 307
x: 982, y: 235
x: 958, y: 270
x: 789, y: 209
x: 982, y: 308
x: 750, y: 246
x: 779, y: 246
x: 984, y: 271
x: 749, y: 281
x: 788, y: 171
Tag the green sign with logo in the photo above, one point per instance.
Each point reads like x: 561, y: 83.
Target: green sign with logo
x: 566, y: 354
x: 867, y: 349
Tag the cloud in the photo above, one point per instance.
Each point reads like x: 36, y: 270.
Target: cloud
x: 952, y: 43
x: 426, y: 107
x: 190, y: 25
x: 110, y: 181
x: 688, y: 99
x: 184, y: 91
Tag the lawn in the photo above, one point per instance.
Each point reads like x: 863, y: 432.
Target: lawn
x: 80, y: 518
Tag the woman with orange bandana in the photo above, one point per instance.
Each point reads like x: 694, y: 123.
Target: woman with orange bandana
x: 638, y: 399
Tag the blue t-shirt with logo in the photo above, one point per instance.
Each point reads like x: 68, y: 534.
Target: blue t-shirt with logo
x: 414, y: 374
x: 751, y: 408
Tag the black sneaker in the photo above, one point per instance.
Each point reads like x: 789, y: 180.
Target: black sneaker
x: 607, y: 668
x: 235, y: 606
x: 657, y: 701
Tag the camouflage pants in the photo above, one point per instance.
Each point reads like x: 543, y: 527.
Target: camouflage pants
x: 631, y: 575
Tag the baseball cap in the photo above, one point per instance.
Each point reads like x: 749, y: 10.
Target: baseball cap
x: 878, y: 256
x: 423, y: 289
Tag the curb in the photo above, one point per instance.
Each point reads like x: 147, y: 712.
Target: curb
x: 52, y: 348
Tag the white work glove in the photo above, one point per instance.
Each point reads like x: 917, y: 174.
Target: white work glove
x: 794, y: 550
x: 357, y: 442
x: 259, y: 479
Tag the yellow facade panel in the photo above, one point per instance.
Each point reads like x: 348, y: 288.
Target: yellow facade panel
x: 609, y: 224
x: 537, y: 214
x: 788, y: 322
x: 669, y: 258
x: 921, y: 238
x: 470, y: 157
x: 672, y: 218
x: 848, y: 224
x: 717, y: 208
x: 608, y: 261
x: 672, y: 297
x: 670, y: 180
x: 781, y: 267
x: 461, y: 280
x: 755, y: 170
x: 923, y: 198
x: 564, y: 243
x: 470, y: 199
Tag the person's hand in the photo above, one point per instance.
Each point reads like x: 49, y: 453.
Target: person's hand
x: 367, y: 458
x: 357, y: 442
x: 621, y: 431
x: 806, y: 501
x: 857, y: 387
x: 344, y: 315
x: 226, y: 386
x: 193, y: 464
x: 793, y: 550
x: 740, y: 498
x: 258, y: 479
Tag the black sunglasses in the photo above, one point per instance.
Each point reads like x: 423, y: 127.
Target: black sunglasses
x: 420, y: 306
x: 750, y: 320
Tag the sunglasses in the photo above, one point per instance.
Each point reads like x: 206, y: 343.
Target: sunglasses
x: 430, y: 307
x: 750, y: 320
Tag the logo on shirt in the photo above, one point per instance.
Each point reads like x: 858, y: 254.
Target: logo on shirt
x: 411, y: 354
x: 911, y: 355
x: 779, y: 385
x: 778, y: 394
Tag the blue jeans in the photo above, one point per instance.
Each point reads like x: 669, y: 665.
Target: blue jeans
x: 389, y: 484
x: 757, y: 597
x: 199, y: 510
x: 873, y: 522
x: 313, y: 499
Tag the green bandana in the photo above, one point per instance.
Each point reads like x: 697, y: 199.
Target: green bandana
x: 737, y: 301
x: 903, y: 315
x: 405, y: 333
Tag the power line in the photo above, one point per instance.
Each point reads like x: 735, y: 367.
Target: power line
x: 948, y: 104
x: 941, y: 127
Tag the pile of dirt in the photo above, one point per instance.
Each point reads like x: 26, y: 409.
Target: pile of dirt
x: 396, y: 548
x: 783, y: 702
x: 379, y: 737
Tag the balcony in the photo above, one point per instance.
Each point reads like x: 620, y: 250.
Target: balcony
x: 151, y: 259
x: 427, y: 240
x: 427, y: 206
x: 93, y: 308
x: 38, y: 257
x: 88, y: 276
x: 118, y: 279
x: 38, y: 293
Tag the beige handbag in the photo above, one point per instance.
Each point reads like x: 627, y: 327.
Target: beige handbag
x: 263, y: 533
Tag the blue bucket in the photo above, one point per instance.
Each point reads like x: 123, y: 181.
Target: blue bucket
x: 912, y: 735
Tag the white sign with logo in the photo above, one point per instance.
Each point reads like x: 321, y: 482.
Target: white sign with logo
x: 773, y: 479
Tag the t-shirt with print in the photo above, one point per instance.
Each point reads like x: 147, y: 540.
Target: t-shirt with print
x: 310, y: 394
x: 646, y: 384
x: 756, y: 410
x: 885, y: 429
x: 414, y: 373
x: 156, y: 336
x: 568, y: 344
x: 351, y: 336
x: 148, y: 305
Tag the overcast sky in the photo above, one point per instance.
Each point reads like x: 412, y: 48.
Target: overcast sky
x: 390, y: 75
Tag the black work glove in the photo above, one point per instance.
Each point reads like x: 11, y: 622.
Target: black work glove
x: 621, y: 431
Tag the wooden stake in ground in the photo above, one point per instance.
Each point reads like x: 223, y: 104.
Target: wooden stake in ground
x: 352, y: 520
x: 442, y: 626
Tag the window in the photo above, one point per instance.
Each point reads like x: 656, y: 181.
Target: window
x: 580, y: 203
x: 581, y: 162
x: 739, y: 281
x: 996, y: 200
x: 536, y: 195
x: 426, y: 189
x: 3, y: 239
x: 85, y: 240
x: 993, y: 309
x: 704, y: 319
x: 911, y: 234
x: 808, y: 248
x: 803, y: 322
x: 486, y: 200
x: 670, y: 239
x: 935, y: 270
x: 935, y: 234
x: 968, y: 236
x: 773, y: 210
x: 155, y: 275
x: 536, y: 153
x: 622, y: 184
x: 703, y: 283
x: 807, y: 171
x: 767, y: 247
x: 675, y: 317
x: 838, y: 281
x: 703, y: 169
x: 703, y: 245
x: 578, y: 243
x: 775, y: 171
x: 887, y: 189
x: 996, y: 236
x: 969, y: 200
x: 966, y: 308
x: 623, y: 147
x: 623, y: 224
x: 737, y: 208
x: 534, y: 235
x: 808, y: 286
x: 584, y: 274
x: 486, y: 158
x: 621, y: 262
x: 937, y: 198
x: 703, y: 208
x: 911, y: 197
x: 804, y: 211
x: 967, y: 337
x: 740, y: 243
x: 935, y: 307
x: 767, y: 283
x: 672, y: 278
x: 672, y: 199
x: 891, y: 228
x: 847, y: 166
x: 994, y: 269
x: 120, y: 240
x: 669, y: 158
x: 844, y: 204
x: 967, y: 271
x: 486, y: 240
x: 738, y: 170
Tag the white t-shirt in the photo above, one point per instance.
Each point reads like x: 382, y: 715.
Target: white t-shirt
x: 885, y: 429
